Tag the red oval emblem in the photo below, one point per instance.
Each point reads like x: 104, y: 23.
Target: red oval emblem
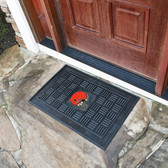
x: 78, y: 97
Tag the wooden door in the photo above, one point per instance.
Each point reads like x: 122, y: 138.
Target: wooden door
x: 127, y: 33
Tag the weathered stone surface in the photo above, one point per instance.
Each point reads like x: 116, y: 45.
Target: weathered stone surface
x: 29, y: 86
x: 6, y: 161
x: 4, y: 83
x: 159, y: 159
x: 8, y: 14
x: 5, y: 9
x: 114, y: 148
x: 20, y: 41
x: 3, y: 3
x: 26, y: 54
x: 17, y: 155
x: 15, y: 28
x: 135, y: 125
x: 36, y: 66
x: 18, y: 90
x: 140, y: 150
x: 2, y: 101
x: 8, y: 138
x: 159, y: 114
x: 10, y: 20
x: 10, y: 61
x: 138, y: 120
x: 159, y: 128
x: 149, y: 104
x: 54, y: 150
x: 18, y: 34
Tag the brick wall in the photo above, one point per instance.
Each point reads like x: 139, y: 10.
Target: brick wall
x: 9, y: 19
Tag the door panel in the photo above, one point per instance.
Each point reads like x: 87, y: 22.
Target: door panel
x: 85, y: 15
x: 128, y: 33
x: 130, y: 24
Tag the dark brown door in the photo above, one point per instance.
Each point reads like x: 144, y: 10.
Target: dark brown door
x: 127, y: 33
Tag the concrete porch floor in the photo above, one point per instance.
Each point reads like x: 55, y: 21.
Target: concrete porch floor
x: 29, y: 138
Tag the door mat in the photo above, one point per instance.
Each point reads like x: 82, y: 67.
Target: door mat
x: 87, y: 105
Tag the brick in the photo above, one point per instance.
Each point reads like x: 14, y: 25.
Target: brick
x: 3, y: 3
x: 15, y: 28
x: 9, y: 15
x: 5, y: 9
x: 18, y: 34
x: 20, y: 41
x: 9, y: 20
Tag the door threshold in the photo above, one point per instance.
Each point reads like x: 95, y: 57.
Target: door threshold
x: 48, y: 43
x: 115, y: 75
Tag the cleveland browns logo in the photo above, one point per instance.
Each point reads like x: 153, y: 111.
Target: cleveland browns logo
x: 78, y: 98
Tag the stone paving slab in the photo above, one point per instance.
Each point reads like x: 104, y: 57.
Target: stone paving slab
x: 140, y: 150
x: 32, y: 67
x: 2, y: 101
x: 159, y: 159
x: 10, y: 61
x: 159, y: 114
x: 6, y: 161
x: 138, y: 120
x: 50, y: 149
x: 8, y: 137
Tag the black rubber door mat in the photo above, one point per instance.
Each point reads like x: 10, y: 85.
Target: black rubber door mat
x: 87, y: 105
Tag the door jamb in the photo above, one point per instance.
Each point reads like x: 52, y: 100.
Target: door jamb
x: 54, y: 24
x: 33, y: 20
x: 52, y: 18
x: 162, y: 80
